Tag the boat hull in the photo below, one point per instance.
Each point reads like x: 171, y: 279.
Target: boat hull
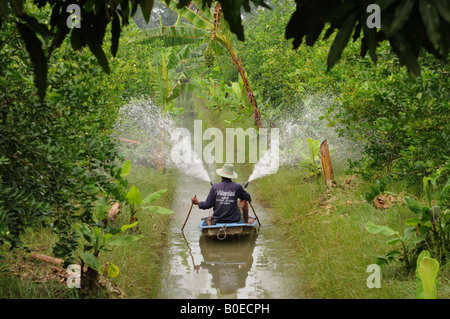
x: 226, y: 230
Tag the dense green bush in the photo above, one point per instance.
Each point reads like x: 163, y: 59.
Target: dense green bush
x: 399, y: 120
x: 54, y: 156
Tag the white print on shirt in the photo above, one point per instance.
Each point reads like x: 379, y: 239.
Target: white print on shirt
x: 225, y: 198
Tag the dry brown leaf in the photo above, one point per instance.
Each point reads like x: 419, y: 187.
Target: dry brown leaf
x: 382, y: 201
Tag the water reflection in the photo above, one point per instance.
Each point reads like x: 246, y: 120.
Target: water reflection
x: 228, y: 261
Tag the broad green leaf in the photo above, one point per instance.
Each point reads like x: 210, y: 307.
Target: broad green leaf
x: 98, y: 238
x: 158, y: 210
x: 443, y: 8
x: 314, y: 147
x: 87, y: 233
x: 107, y: 237
x: 385, y: 259
x: 97, y: 50
x: 125, y: 168
x: 401, y: 15
x: 125, y: 227
x: 115, y: 34
x: 124, y: 241
x: 154, y: 196
x: 102, y: 208
x: 134, y: 196
x: 428, y: 270
x: 91, y: 260
x: 37, y: 56
x: 430, y: 19
x: 403, y: 48
x: 393, y: 241
x: 413, y: 221
x: 341, y: 40
x: 196, y: 19
x: 384, y: 230
x: 414, y: 206
x: 146, y: 8
x: 176, y: 35
x: 237, y: 90
x: 419, y: 285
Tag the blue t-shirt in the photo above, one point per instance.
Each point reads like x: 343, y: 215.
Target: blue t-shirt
x: 223, y: 197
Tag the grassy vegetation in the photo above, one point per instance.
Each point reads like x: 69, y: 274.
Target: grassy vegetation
x: 140, y: 264
x: 326, y: 232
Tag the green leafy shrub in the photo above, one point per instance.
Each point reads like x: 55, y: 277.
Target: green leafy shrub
x: 429, y: 229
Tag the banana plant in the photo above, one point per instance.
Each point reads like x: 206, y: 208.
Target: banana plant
x: 136, y: 203
x: 409, y: 240
x: 97, y: 239
x: 427, y: 269
x: 134, y: 199
x: 311, y: 161
x: 429, y: 229
x: 206, y: 26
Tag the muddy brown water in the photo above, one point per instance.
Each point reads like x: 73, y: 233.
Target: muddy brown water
x: 260, y: 266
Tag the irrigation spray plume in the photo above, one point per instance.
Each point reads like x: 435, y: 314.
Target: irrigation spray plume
x: 297, y: 124
x: 143, y: 122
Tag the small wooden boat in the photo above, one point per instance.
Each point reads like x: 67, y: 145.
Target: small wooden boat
x: 224, y: 230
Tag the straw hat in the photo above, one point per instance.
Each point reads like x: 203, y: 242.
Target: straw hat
x: 227, y: 171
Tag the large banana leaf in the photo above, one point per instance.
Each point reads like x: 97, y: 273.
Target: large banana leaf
x: 176, y: 35
x: 202, y: 19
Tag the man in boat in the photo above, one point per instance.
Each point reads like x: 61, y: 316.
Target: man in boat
x: 223, y: 197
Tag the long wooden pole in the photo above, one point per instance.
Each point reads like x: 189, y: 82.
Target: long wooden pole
x: 192, y: 204
x: 255, y: 213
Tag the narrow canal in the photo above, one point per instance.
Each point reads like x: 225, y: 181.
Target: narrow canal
x: 198, y: 267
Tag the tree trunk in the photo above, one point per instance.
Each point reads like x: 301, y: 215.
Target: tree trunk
x: 325, y: 158
x: 47, y: 259
x: 90, y: 280
x: 250, y: 96
x: 238, y: 65
x: 112, y: 213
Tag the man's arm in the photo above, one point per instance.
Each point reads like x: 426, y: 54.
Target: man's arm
x: 243, y: 195
x: 208, y: 203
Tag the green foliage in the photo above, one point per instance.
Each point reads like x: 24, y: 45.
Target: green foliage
x: 99, y: 238
x: 57, y: 157
x: 378, y: 188
x: 398, y: 19
x: 397, y: 121
x: 220, y: 94
x: 430, y: 229
x: 96, y: 15
x: 135, y: 202
x: 205, y: 32
x: 311, y: 161
x: 4, y: 233
x: 427, y: 269
x: 409, y: 26
x: 375, y: 190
